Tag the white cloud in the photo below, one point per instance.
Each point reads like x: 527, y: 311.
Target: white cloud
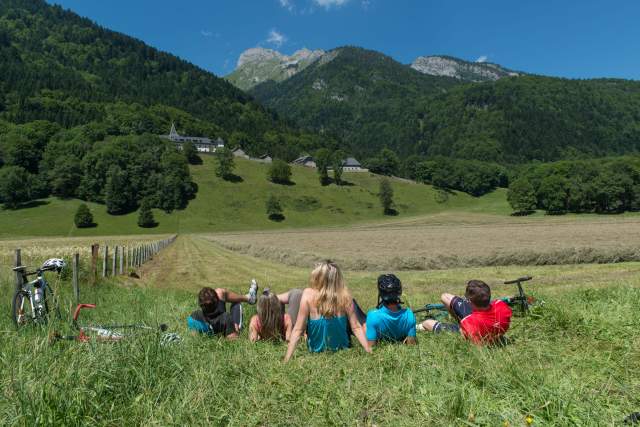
x: 327, y: 4
x: 483, y: 58
x: 287, y: 4
x: 366, y: 4
x: 206, y: 33
x: 276, y: 38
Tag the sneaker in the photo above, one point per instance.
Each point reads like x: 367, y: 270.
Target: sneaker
x: 253, y: 292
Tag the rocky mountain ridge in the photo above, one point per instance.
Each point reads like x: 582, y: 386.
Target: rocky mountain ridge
x: 463, y: 70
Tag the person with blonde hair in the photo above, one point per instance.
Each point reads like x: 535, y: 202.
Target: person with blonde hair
x: 326, y: 312
x: 271, y: 322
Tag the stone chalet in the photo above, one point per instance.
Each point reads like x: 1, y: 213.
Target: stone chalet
x: 203, y: 145
x: 349, y: 165
x: 305, y: 161
x: 239, y: 152
x: 352, y: 165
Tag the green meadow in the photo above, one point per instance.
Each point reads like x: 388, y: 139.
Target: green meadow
x: 573, y: 361
x: 240, y: 205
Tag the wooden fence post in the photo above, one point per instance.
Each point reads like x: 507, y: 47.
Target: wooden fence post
x: 76, y: 267
x: 18, y: 263
x: 114, y: 261
x: 123, y: 259
x: 95, y: 248
x: 105, y: 257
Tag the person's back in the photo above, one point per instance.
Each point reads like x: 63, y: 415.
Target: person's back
x: 390, y: 321
x: 389, y: 325
x: 326, y: 309
x: 486, y: 326
x: 325, y: 333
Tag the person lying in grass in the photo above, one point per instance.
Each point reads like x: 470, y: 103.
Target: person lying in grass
x: 213, y: 318
x: 389, y: 321
x: 480, y: 320
x: 271, y: 322
x: 326, y: 311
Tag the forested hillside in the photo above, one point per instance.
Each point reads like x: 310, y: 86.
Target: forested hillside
x: 373, y: 102
x: 364, y: 97
x: 67, y: 85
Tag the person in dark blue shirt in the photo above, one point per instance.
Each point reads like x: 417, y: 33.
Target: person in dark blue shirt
x: 390, y: 321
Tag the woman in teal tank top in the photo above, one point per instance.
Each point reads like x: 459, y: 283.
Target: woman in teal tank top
x: 325, y: 309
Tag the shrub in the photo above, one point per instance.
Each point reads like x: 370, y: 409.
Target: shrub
x: 83, y: 217
x: 274, y: 208
x: 226, y: 164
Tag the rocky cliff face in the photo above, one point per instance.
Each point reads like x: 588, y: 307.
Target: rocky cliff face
x: 463, y: 70
x: 257, y: 65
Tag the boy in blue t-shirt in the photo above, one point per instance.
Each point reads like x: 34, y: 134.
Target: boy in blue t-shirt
x: 389, y: 321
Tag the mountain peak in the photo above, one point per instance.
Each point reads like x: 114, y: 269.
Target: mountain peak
x: 257, y: 54
x: 258, y: 65
x: 460, y: 69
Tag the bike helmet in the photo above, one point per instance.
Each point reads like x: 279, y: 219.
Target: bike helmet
x: 389, y: 289
x: 53, y: 264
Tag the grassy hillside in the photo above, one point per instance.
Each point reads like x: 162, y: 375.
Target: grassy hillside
x: 221, y: 205
x: 573, y: 363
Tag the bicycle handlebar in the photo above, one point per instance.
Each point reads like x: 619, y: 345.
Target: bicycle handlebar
x: 519, y: 280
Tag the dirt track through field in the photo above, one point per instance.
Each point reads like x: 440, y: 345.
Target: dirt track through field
x: 193, y: 262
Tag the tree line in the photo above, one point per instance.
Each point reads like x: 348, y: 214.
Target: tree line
x: 605, y: 186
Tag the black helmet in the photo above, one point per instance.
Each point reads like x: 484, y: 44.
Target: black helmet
x: 389, y: 289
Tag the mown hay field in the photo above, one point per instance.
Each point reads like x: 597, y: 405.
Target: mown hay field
x: 457, y: 241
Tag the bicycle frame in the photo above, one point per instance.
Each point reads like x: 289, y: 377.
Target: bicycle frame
x: 38, y: 308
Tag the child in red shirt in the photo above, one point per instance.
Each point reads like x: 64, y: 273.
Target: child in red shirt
x: 480, y: 320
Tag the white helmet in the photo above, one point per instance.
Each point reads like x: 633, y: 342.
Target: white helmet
x: 56, y: 264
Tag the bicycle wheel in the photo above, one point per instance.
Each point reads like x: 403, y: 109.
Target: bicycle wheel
x: 22, y: 311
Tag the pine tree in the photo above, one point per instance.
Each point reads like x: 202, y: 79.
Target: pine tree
x: 279, y: 172
x: 145, y: 216
x: 83, y: 217
x: 386, y: 197
x: 226, y: 164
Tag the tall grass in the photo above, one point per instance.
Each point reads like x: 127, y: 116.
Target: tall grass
x: 574, y: 362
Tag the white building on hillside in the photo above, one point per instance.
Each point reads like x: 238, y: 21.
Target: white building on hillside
x: 203, y: 145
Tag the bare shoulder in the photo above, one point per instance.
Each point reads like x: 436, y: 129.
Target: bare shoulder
x: 222, y: 293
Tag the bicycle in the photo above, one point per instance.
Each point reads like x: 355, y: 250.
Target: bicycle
x: 521, y: 301
x: 31, y: 301
x: 110, y: 333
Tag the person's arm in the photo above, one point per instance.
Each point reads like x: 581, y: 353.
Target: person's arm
x: 357, y: 329
x: 230, y: 296
x: 253, y: 329
x: 301, y: 324
x: 411, y: 334
x: 288, y: 325
x: 371, y: 331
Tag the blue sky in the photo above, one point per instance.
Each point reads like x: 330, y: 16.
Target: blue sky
x: 568, y: 38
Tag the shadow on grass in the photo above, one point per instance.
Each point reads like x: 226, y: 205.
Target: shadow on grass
x: 276, y: 217
x: 287, y: 183
x: 233, y: 178
x: 29, y: 205
x: 92, y: 225
x: 391, y: 212
x: 150, y: 225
